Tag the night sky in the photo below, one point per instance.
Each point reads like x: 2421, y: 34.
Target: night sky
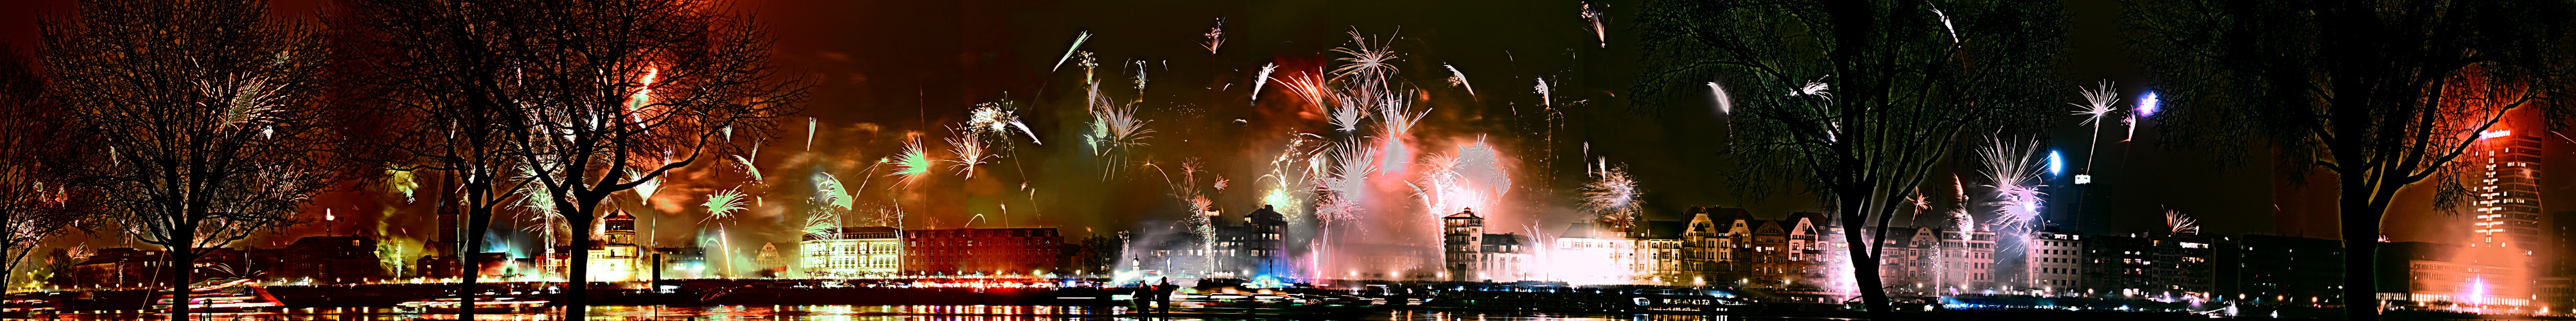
x: 885, y: 72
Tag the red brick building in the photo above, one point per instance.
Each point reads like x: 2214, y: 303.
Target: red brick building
x: 982, y: 250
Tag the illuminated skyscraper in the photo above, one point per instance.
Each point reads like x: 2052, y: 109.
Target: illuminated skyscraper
x: 2506, y: 187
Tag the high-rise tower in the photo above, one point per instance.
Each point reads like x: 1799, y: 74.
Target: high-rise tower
x: 1463, y: 244
x: 2506, y: 188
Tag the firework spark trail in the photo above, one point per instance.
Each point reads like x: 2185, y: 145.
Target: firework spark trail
x: 1215, y: 36
x: 745, y: 165
x: 911, y: 164
x: 2179, y: 223
x: 1263, y: 79
x: 969, y: 148
x: 810, y: 124
x: 722, y: 205
x: 2099, y: 103
x: 1545, y: 97
x: 1612, y: 194
x: 1724, y: 104
x: 1946, y: 26
x: 1594, y: 16
x: 1310, y: 87
x: 1347, y: 117
x: 1140, y: 78
x: 1459, y: 79
x: 1068, y: 51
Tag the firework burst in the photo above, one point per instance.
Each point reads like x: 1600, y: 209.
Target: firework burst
x: 723, y: 205
x: 2178, y: 223
x: 1215, y: 36
x: 1371, y: 60
x: 2014, y: 171
x: 1612, y: 194
x: 1343, y: 189
x: 2098, y: 104
x: 911, y: 165
x: 1115, y: 131
x: 969, y: 148
x: 996, y: 120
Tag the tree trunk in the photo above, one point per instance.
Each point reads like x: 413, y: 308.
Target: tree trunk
x: 1865, y: 277
x: 577, y: 288
x: 478, y: 218
x: 2360, y: 221
x: 179, y: 281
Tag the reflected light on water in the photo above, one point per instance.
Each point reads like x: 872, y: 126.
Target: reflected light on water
x: 858, y: 313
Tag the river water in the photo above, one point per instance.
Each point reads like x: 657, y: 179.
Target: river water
x: 856, y: 313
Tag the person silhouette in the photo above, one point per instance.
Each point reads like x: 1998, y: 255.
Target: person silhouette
x: 1163, y: 294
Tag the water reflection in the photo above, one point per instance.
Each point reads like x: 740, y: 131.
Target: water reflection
x: 855, y: 313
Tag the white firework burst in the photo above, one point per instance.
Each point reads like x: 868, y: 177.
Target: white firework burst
x: 2179, y: 223
x: 1368, y: 59
x: 969, y: 148
x: 1612, y: 194
x: 2014, y: 171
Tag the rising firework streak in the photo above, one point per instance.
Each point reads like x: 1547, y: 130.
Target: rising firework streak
x: 1263, y: 79
x: 1068, y: 51
x: 1459, y: 79
x: 1725, y: 105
